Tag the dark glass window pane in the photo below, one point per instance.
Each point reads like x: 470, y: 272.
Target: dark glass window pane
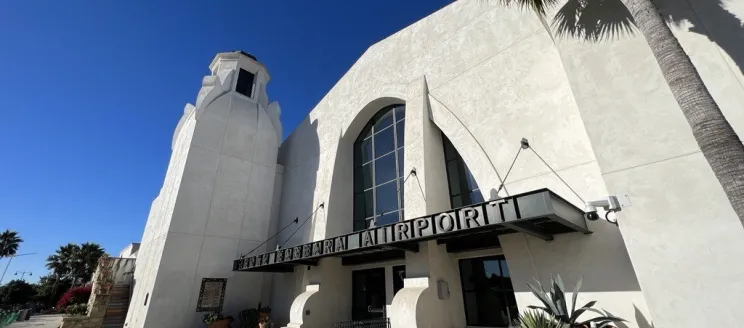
x: 400, y: 112
x: 245, y: 83
x: 400, y: 130
x: 504, y: 269
x: 384, y: 142
x: 472, y: 185
x: 365, y: 150
x: 399, y: 274
x: 456, y: 202
x: 453, y: 176
x: 492, y: 273
x: 511, y: 303
x: 400, y: 163
x: 363, y: 205
x: 475, y: 197
x: 387, y: 218
x: 387, y: 198
x: 471, y: 299
x: 385, y: 169
x: 359, y: 203
x: 466, y: 273
x: 449, y: 150
x: 489, y: 298
x: 362, y: 178
x: 501, y: 313
x: 384, y: 121
x: 360, y: 225
x: 366, y: 133
x: 401, y: 188
x: 376, y: 147
x: 364, y: 174
x: 369, y: 203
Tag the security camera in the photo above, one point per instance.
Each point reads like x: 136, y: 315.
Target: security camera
x: 592, y: 215
x: 610, y: 205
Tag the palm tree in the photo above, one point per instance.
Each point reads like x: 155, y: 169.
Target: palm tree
x: 59, y: 270
x: 62, y: 262
x: 9, y: 242
x: 88, y: 257
x: 717, y: 140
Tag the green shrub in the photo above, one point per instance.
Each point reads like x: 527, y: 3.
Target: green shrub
x: 212, y: 317
x: 555, y: 304
x: 536, y: 319
x: 79, y: 309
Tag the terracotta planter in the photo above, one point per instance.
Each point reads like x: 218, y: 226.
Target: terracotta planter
x: 224, y: 323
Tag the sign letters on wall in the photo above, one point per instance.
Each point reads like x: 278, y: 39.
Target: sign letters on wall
x: 537, y: 204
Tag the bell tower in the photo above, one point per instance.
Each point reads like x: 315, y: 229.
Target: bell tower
x: 216, y: 201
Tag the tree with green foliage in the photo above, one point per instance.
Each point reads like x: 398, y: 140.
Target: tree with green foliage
x: 9, y: 243
x: 50, y: 289
x: 75, y: 262
x: 88, y: 257
x: 16, y: 292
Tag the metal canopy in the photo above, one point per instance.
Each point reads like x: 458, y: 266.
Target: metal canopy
x: 540, y: 213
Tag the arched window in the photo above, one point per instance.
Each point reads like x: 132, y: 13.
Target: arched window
x: 463, y: 189
x: 378, y: 169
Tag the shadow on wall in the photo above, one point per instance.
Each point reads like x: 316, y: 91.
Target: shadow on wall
x: 639, y: 319
x: 599, y: 259
x: 605, y: 20
x: 299, y: 155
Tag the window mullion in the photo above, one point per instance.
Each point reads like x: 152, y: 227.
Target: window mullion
x: 374, y: 182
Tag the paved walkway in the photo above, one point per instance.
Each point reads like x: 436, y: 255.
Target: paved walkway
x: 40, y: 321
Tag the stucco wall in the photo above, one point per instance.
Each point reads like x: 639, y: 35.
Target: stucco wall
x: 599, y: 113
x: 216, y: 203
x: 680, y: 229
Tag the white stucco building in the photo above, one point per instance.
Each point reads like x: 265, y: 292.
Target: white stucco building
x: 455, y: 243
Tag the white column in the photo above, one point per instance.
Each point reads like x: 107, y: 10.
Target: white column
x: 425, y: 193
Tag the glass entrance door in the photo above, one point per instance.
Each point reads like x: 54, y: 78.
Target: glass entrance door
x: 368, y: 294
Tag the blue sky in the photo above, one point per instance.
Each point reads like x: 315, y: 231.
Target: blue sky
x: 92, y: 90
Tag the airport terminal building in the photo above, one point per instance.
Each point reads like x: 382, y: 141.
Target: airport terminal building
x: 448, y: 168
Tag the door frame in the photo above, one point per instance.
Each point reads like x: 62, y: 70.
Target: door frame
x: 388, y: 266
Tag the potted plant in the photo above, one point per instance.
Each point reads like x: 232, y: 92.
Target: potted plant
x: 265, y: 323
x: 248, y: 318
x: 263, y: 312
x: 216, y: 320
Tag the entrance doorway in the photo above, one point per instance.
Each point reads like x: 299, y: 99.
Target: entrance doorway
x: 368, y: 294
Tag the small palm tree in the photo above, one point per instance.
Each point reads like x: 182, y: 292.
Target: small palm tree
x: 9, y: 242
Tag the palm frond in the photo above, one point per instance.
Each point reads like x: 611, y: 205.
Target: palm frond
x: 539, y: 6
x: 593, y: 20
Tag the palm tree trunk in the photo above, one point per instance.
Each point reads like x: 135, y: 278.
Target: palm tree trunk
x: 716, y: 138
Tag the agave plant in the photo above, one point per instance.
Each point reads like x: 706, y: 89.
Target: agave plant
x: 536, y: 319
x: 556, y: 306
